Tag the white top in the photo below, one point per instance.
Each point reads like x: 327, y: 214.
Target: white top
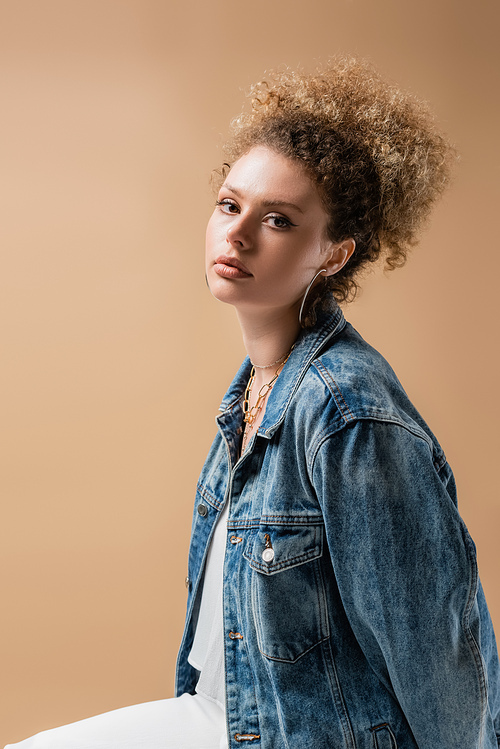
x: 207, y: 653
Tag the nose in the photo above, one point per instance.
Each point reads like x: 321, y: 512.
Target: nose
x: 238, y: 234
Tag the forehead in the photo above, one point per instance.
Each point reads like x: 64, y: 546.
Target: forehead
x: 264, y: 174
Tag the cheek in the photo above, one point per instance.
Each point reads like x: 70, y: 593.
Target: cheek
x: 304, y: 259
x: 214, y: 234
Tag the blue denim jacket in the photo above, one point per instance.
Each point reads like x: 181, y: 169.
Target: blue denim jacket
x: 364, y: 625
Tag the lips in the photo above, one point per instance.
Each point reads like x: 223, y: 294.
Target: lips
x: 231, y: 267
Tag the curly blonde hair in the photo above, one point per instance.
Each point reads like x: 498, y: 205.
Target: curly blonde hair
x: 374, y: 153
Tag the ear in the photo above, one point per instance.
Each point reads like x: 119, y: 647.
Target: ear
x: 338, y: 254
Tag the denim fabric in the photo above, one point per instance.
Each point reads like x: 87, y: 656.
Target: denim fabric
x: 366, y: 627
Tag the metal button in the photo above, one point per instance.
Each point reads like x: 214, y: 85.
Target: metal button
x: 268, y: 555
x: 187, y: 582
x: 202, y: 510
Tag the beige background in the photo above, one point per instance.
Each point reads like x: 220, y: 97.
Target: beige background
x: 114, y: 356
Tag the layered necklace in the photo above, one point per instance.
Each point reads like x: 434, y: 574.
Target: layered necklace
x: 250, y: 413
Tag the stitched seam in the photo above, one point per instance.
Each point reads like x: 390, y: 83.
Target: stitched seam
x: 326, y: 435
x: 291, y: 520
x: 285, y: 520
x: 277, y: 702
x: 475, y: 651
x: 322, y: 605
x: 256, y: 624
x: 338, y: 697
x: 208, y: 496
x: 294, y: 660
x: 243, y: 644
x: 334, y: 389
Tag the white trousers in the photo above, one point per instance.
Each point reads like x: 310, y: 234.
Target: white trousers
x: 186, y: 722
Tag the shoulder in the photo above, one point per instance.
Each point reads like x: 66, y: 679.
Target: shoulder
x: 359, y: 377
x: 349, y: 381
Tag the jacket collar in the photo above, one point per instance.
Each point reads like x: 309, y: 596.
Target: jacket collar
x: 305, y: 351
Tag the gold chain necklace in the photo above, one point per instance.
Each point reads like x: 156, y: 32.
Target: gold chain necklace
x: 250, y: 414
x: 268, y: 366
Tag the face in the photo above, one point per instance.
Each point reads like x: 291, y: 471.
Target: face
x: 266, y: 239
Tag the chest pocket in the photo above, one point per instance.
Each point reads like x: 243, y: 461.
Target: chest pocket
x: 288, y: 596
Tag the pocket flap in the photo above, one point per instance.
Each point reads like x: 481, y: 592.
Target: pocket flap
x: 273, y: 548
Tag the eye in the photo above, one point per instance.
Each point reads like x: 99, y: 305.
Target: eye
x: 227, y: 206
x: 279, y: 222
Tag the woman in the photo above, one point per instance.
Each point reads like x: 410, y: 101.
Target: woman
x: 333, y: 590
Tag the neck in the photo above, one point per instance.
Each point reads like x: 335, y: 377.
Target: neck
x: 268, y: 336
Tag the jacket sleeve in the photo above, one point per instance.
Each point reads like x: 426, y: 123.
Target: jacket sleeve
x: 407, y: 574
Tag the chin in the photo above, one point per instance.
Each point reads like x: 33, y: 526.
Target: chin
x: 221, y: 289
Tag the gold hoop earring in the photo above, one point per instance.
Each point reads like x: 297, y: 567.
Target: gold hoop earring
x: 323, y: 270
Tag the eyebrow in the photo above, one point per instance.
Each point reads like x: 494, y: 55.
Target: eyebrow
x: 267, y: 203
